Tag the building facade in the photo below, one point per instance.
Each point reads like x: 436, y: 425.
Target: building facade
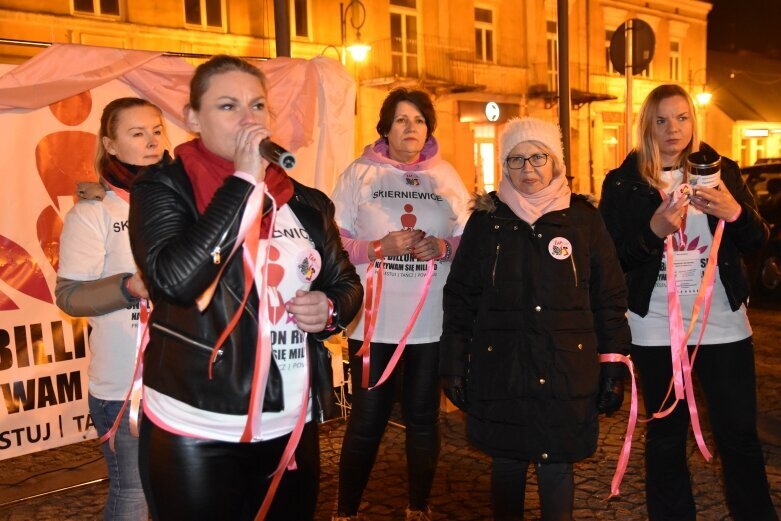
x: 483, y: 61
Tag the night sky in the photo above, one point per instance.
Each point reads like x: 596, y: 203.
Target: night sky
x: 750, y: 25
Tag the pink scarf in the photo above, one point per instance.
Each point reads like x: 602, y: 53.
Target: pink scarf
x: 530, y: 207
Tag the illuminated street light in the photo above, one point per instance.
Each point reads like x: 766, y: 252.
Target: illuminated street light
x: 357, y: 11
x: 703, y: 98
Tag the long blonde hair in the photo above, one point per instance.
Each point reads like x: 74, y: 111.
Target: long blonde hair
x: 649, y: 160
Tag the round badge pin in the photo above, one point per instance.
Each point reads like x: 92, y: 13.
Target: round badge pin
x: 308, y: 265
x: 560, y: 248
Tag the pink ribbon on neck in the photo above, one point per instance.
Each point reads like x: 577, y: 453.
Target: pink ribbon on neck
x: 371, y: 311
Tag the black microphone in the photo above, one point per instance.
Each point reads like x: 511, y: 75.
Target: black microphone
x: 274, y: 153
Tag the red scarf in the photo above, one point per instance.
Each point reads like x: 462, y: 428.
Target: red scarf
x: 208, y: 171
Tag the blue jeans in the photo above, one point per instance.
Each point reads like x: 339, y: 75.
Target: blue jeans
x: 125, y: 501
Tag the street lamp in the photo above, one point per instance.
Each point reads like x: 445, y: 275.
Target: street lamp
x: 701, y: 100
x: 357, y: 12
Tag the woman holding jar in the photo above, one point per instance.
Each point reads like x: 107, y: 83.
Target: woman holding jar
x: 657, y: 215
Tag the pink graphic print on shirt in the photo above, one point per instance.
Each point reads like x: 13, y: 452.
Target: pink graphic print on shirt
x: 276, y: 272
x: 409, y: 219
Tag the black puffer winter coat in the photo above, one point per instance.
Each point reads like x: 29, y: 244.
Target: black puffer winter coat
x: 526, y: 329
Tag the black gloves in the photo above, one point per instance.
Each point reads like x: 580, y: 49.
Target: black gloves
x: 455, y: 390
x: 611, y: 395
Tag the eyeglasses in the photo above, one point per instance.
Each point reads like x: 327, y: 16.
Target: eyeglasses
x: 517, y: 162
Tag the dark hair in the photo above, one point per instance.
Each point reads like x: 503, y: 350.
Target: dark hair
x: 108, y: 126
x: 219, y: 64
x: 648, y: 157
x: 418, y: 98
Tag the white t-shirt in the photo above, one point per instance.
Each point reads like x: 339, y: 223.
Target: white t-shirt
x: 293, y: 264
x: 373, y: 199
x: 94, y: 244
x: 691, y: 246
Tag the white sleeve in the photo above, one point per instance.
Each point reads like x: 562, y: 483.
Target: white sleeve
x: 345, y: 197
x: 458, y: 198
x: 83, y: 242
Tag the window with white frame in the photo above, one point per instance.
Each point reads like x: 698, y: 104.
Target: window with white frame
x: 97, y: 7
x: 204, y: 13
x: 552, y: 46
x: 299, y: 18
x: 404, y: 37
x: 675, y: 61
x: 484, y: 34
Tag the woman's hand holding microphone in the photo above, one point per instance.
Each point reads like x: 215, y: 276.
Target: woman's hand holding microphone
x: 247, y: 156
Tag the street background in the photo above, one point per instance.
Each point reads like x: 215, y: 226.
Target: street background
x: 461, y: 487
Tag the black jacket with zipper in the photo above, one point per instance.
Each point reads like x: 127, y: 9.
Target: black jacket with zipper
x: 526, y: 329
x: 176, y: 248
x: 627, y: 205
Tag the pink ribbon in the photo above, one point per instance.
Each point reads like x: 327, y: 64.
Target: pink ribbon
x: 682, y: 365
x: 623, y: 458
x: 287, y: 461
x: 134, y: 395
x: 365, y: 347
x: 371, y: 309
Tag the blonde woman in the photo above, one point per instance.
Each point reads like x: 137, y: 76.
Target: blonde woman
x: 641, y: 213
x: 97, y: 278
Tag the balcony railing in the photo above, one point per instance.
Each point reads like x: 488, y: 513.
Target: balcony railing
x: 438, y: 64
x: 586, y: 86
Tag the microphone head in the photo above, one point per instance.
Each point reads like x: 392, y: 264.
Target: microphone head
x: 274, y: 153
x: 287, y: 160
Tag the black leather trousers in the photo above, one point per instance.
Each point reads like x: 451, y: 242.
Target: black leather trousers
x: 418, y: 374
x: 195, y: 479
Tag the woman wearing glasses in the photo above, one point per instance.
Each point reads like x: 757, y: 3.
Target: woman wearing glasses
x: 534, y: 296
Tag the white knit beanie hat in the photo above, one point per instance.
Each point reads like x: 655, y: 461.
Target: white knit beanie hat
x: 518, y: 130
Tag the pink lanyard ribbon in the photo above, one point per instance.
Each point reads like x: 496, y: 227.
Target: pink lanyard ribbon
x: 134, y: 395
x: 682, y: 365
x: 371, y: 311
x: 623, y: 459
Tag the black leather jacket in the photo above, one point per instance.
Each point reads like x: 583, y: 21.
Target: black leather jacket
x: 174, y: 248
x: 627, y: 205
